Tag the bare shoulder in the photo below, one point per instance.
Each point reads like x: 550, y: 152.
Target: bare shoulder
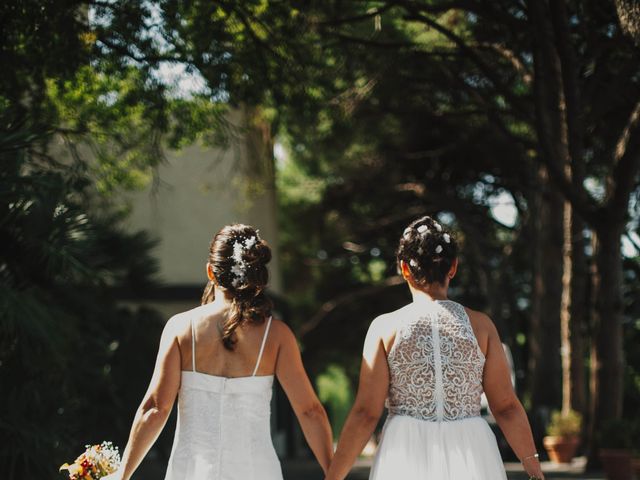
x: 281, y: 333
x: 177, y: 327
x: 386, y: 324
x: 481, y: 322
x: 483, y: 328
x: 383, y: 328
x: 279, y: 328
x: 379, y: 328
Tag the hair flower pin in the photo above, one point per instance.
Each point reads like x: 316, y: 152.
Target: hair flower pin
x: 447, y: 238
x: 423, y: 229
x: 438, y: 226
x: 239, y: 268
x: 413, y: 263
x: 238, y: 249
x: 439, y: 249
x: 250, y: 242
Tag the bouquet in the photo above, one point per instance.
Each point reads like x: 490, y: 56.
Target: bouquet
x: 96, y: 462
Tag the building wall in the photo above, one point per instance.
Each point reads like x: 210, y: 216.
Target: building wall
x: 199, y: 190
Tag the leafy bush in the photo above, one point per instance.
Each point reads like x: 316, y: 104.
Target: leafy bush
x: 335, y: 391
x: 565, y: 424
x: 60, y: 323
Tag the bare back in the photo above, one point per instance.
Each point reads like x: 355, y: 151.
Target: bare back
x: 212, y: 358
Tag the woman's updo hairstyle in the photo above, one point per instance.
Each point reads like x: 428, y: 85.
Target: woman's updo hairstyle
x: 428, y: 250
x: 239, y: 257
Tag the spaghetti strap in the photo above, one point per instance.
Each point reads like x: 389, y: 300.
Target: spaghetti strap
x: 264, y: 341
x: 193, y: 346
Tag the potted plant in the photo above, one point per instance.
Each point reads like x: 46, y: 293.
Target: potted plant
x: 563, y: 436
x: 615, y: 452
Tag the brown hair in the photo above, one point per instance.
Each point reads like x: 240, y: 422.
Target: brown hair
x: 239, y: 257
x: 428, y: 250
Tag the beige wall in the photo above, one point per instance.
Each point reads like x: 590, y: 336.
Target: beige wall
x: 199, y: 190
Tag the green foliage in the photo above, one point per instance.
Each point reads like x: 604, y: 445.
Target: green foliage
x: 40, y: 40
x: 119, y: 123
x: 565, y: 424
x: 60, y: 324
x: 335, y: 391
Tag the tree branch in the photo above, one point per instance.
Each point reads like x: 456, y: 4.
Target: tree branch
x: 470, y: 53
x: 353, y: 19
x: 481, y: 8
x: 511, y: 56
x: 328, y: 307
x: 373, y: 43
x: 491, y: 112
x: 125, y: 52
x: 626, y: 159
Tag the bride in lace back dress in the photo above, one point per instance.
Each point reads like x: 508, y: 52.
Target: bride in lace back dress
x: 220, y: 360
x: 430, y: 362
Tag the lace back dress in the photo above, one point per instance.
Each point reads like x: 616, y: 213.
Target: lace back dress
x: 434, y: 429
x: 223, y: 430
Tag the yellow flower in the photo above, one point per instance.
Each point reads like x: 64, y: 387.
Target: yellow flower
x: 73, y: 469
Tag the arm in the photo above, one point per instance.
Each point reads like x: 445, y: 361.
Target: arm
x: 156, y: 405
x: 367, y: 408
x: 310, y: 412
x: 505, y: 406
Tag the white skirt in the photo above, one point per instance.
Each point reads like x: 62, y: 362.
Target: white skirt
x: 413, y: 449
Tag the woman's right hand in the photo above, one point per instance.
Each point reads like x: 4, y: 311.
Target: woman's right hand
x: 532, y: 467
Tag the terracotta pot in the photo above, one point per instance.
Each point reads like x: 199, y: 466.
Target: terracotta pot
x: 561, y: 449
x: 616, y: 464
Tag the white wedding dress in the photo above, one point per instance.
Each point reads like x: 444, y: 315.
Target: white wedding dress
x: 223, y: 429
x: 434, y: 430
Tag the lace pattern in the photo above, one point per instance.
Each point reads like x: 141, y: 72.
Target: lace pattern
x: 436, y: 366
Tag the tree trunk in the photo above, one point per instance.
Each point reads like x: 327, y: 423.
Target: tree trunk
x: 565, y: 309
x: 545, y: 366
x: 574, y: 313
x: 607, y: 353
x: 579, y: 316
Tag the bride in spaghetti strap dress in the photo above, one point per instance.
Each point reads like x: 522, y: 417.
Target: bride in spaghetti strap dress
x: 429, y: 363
x: 220, y: 360
x: 223, y: 428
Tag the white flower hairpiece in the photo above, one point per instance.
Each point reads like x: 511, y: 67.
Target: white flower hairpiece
x: 423, y: 229
x: 239, y: 269
x: 439, y: 249
x: 413, y: 263
x: 447, y: 238
x: 438, y: 226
